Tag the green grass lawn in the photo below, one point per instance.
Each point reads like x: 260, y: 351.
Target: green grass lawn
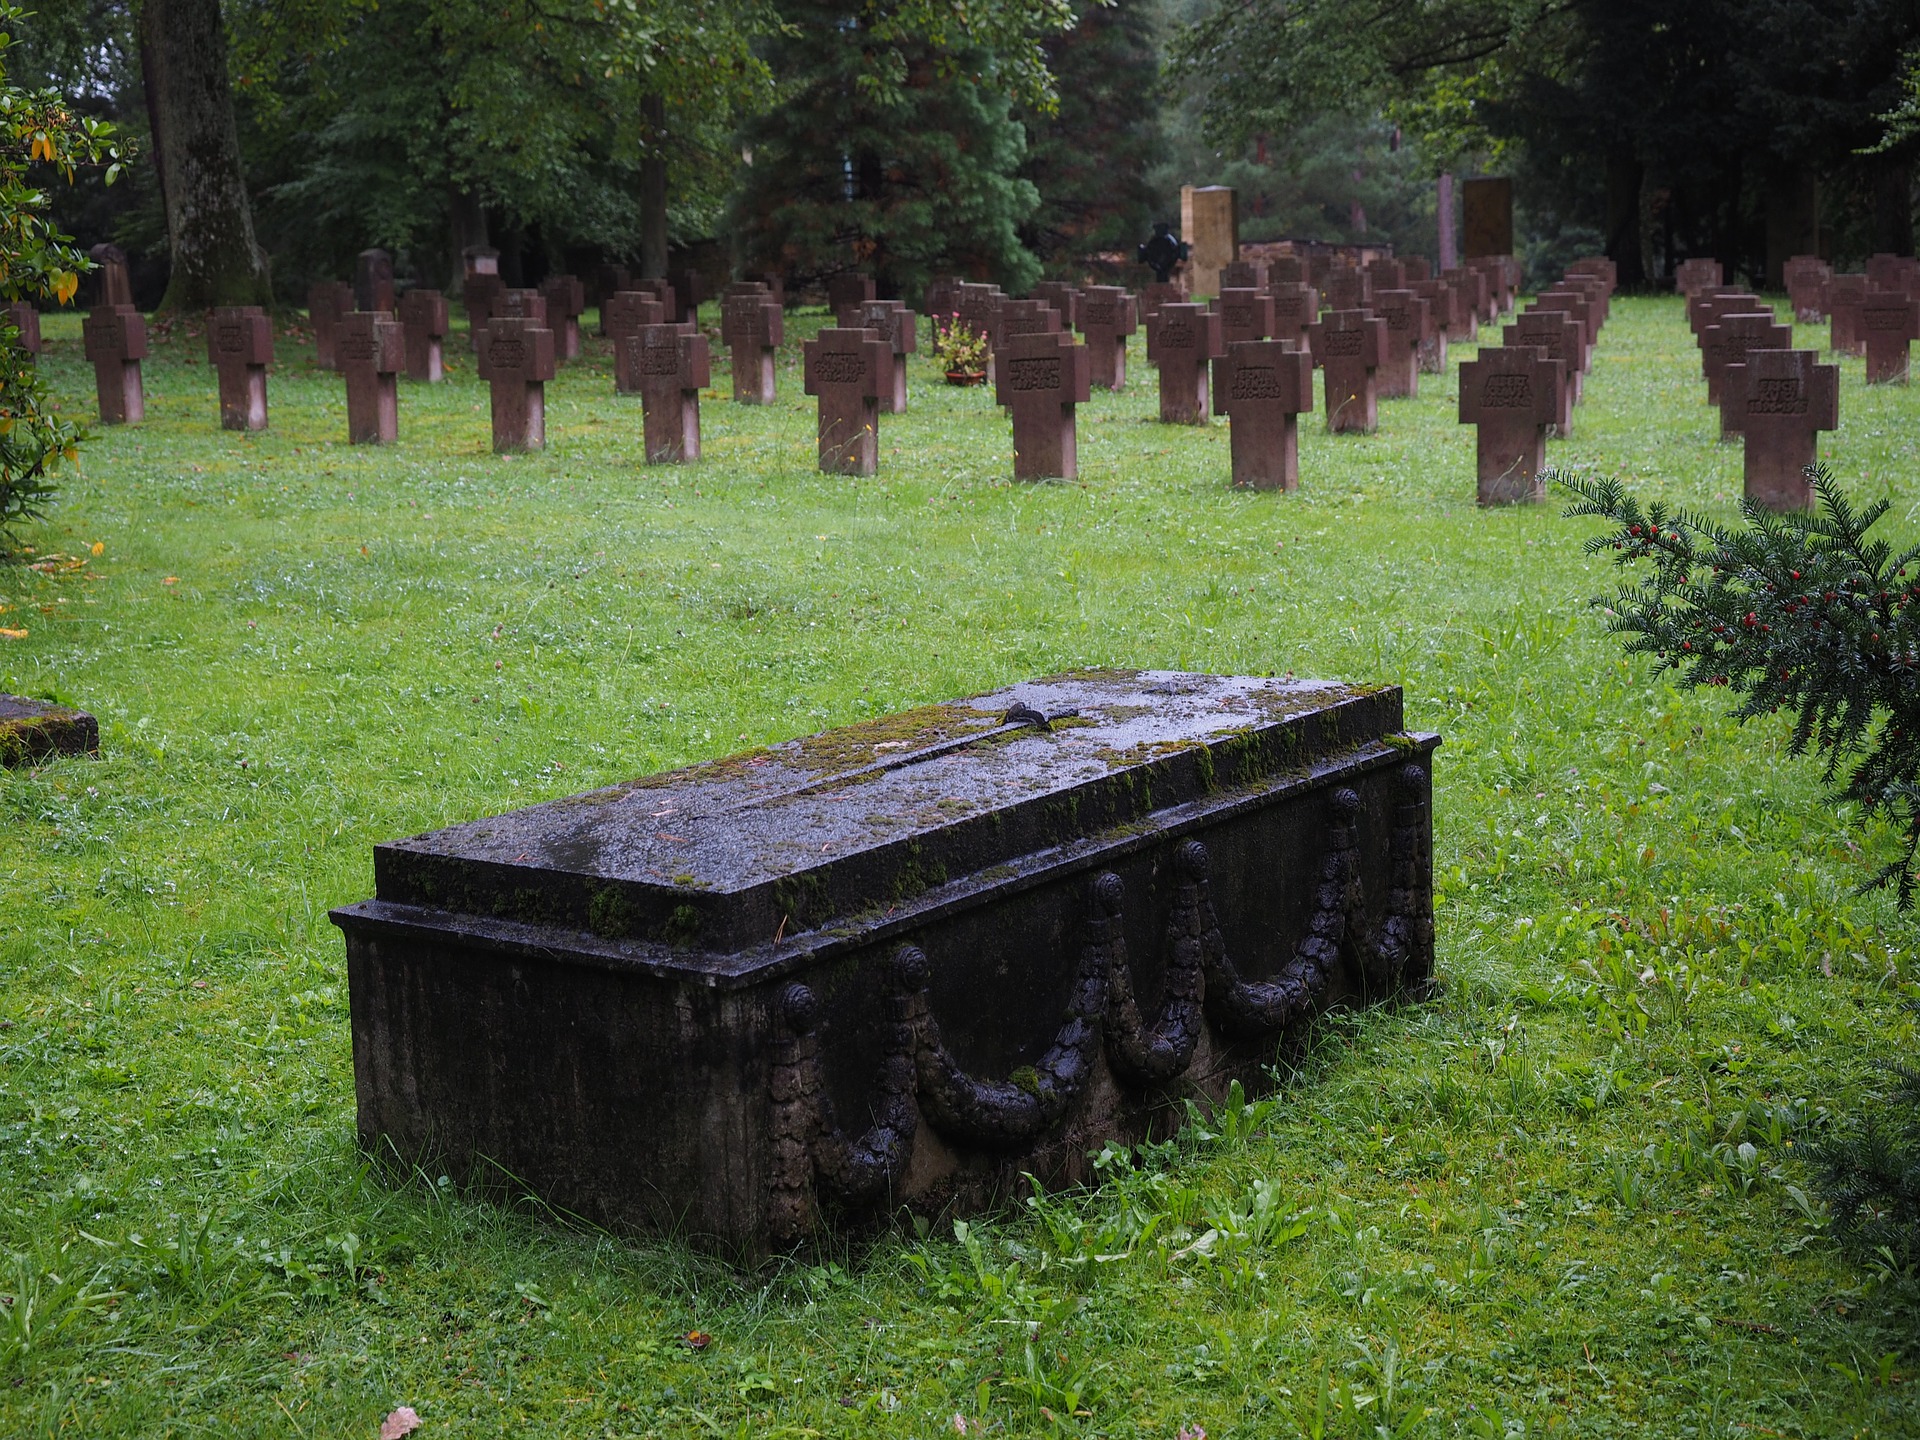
x: 1564, y: 1198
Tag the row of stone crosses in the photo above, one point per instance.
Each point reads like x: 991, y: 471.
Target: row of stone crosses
x: 1775, y: 398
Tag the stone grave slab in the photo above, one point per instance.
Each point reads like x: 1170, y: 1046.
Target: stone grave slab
x: 1186, y: 343
x: 1210, y: 223
x: 1790, y: 398
x: 1486, y: 217
x: 674, y: 365
x: 566, y: 301
x: 845, y: 295
x: 905, y: 962
x: 1107, y: 318
x: 1042, y: 376
x: 1408, y: 324
x: 626, y: 314
x: 32, y: 730
x: 1245, y: 314
x: 373, y: 282
x: 752, y: 327
x: 1555, y: 334
x: 1889, y: 324
x: 1349, y: 345
x: 1512, y: 396
x: 240, y: 347
x: 423, y: 323
x: 849, y: 370
x: 372, y: 347
x: 516, y: 361
x: 116, y: 342
x: 327, y: 301
x: 1263, y: 387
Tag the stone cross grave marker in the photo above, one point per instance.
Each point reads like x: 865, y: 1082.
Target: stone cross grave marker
x: 674, y: 365
x: 752, y: 327
x: 481, y: 295
x: 240, y: 347
x: 1727, y: 343
x: 942, y: 298
x: 1385, y: 274
x: 327, y: 301
x: 1243, y: 275
x: 516, y: 361
x: 1186, y: 343
x: 894, y: 323
x: 1845, y: 295
x: 1889, y: 324
x: 1595, y: 288
x: 1347, y: 288
x: 1499, y: 285
x: 116, y: 343
x: 1890, y: 272
x: 1245, y: 314
x: 1472, y: 286
x: 1016, y: 317
x: 689, y: 289
x: 1707, y: 307
x: 1444, y: 304
x: 608, y: 281
x: 1512, y: 397
x: 373, y: 282
x: 1064, y: 298
x: 1582, y: 309
x: 1287, y: 270
x: 1349, y: 345
x: 1790, y: 397
x: 523, y: 305
x: 566, y: 300
x: 1417, y: 269
x: 1408, y: 324
x: 423, y: 322
x: 26, y: 325
x: 1690, y: 276
x: 627, y: 313
x: 1156, y: 294
x: 849, y: 370
x: 1106, y: 320
x: 1295, y: 307
x: 1806, y: 279
x: 1263, y: 387
x: 116, y: 283
x: 1042, y: 376
x: 32, y: 730
x: 1600, y: 266
x: 846, y: 293
x: 372, y: 347
x: 1555, y: 334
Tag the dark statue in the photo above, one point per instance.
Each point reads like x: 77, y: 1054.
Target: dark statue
x: 1164, y: 251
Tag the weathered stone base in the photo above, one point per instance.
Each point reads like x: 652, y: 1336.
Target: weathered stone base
x: 34, y: 729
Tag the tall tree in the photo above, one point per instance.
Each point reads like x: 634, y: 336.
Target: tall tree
x: 196, y: 147
x: 895, y: 148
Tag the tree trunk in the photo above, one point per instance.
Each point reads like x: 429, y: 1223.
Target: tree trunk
x: 1625, y: 175
x: 1793, y: 219
x: 653, y: 191
x: 183, y: 52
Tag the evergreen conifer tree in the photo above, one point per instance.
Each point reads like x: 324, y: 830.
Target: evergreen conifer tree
x: 885, y: 155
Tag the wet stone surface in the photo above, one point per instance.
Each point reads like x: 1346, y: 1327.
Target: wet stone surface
x: 35, y: 729
x: 900, y: 962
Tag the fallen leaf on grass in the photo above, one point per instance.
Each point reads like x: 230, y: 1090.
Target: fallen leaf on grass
x: 6, y: 634
x: 697, y: 1339
x: 401, y: 1422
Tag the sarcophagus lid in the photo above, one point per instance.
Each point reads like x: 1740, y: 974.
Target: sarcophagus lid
x: 904, y: 960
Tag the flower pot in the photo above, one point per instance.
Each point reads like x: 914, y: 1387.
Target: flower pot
x: 966, y: 377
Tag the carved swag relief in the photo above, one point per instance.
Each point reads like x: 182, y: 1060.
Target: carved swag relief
x: 920, y: 1081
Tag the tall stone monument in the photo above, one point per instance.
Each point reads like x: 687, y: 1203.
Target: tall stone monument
x: 1210, y: 223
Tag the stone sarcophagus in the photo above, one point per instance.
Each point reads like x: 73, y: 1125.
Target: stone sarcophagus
x: 899, y: 963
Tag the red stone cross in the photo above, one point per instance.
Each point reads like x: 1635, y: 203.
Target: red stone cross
x: 753, y: 326
x: 899, y: 327
x: 240, y: 347
x: 116, y: 341
x: 1889, y: 324
x: 1349, y: 345
x: 1512, y: 396
x: 848, y: 370
x: 674, y: 365
x: 1186, y: 341
x: 1106, y: 320
x: 516, y: 361
x: 372, y: 349
x: 423, y: 318
x: 1041, y: 376
x: 626, y: 313
x: 1263, y: 387
x: 1790, y: 396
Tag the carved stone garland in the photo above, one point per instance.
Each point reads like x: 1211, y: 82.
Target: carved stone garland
x: 811, y: 1153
